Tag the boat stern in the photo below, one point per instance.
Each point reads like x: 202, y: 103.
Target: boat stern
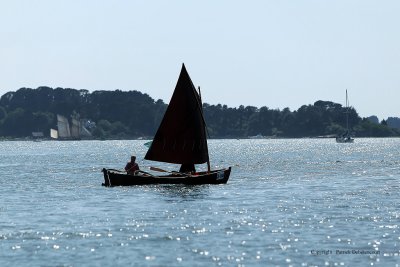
x: 106, y: 177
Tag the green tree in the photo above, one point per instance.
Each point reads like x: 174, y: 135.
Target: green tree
x: 15, y: 124
x: 3, y: 113
x: 130, y: 114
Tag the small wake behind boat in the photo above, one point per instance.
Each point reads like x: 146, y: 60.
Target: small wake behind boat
x: 180, y: 139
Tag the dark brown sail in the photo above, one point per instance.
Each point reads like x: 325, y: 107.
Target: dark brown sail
x: 181, y: 136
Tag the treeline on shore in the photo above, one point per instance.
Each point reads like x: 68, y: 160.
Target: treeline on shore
x: 132, y: 114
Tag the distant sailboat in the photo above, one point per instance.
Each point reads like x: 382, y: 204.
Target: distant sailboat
x: 346, y: 137
x: 67, y: 131
x: 180, y: 139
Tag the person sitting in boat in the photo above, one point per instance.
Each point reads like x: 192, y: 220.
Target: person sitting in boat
x: 131, y: 167
x: 187, y: 167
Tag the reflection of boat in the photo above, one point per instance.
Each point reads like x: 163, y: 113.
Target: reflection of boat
x: 180, y: 139
x: 346, y: 136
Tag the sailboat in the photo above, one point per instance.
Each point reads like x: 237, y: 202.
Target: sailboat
x: 67, y: 131
x: 180, y: 139
x: 346, y: 137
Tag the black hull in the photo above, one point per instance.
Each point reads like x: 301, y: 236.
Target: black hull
x: 117, y: 178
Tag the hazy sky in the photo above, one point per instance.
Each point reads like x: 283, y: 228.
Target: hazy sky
x: 261, y: 53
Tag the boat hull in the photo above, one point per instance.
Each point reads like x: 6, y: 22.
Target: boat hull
x: 118, y: 178
x: 344, y: 140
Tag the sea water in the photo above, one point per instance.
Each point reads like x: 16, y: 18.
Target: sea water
x: 289, y: 202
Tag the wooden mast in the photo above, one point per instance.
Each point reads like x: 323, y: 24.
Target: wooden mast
x: 205, y: 126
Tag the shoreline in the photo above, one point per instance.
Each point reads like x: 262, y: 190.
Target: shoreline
x: 145, y: 139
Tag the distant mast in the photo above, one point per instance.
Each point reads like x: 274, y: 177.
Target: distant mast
x: 205, y: 126
x: 347, y: 112
x: 346, y: 137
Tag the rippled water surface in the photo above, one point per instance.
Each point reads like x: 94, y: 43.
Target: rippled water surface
x: 303, y: 202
